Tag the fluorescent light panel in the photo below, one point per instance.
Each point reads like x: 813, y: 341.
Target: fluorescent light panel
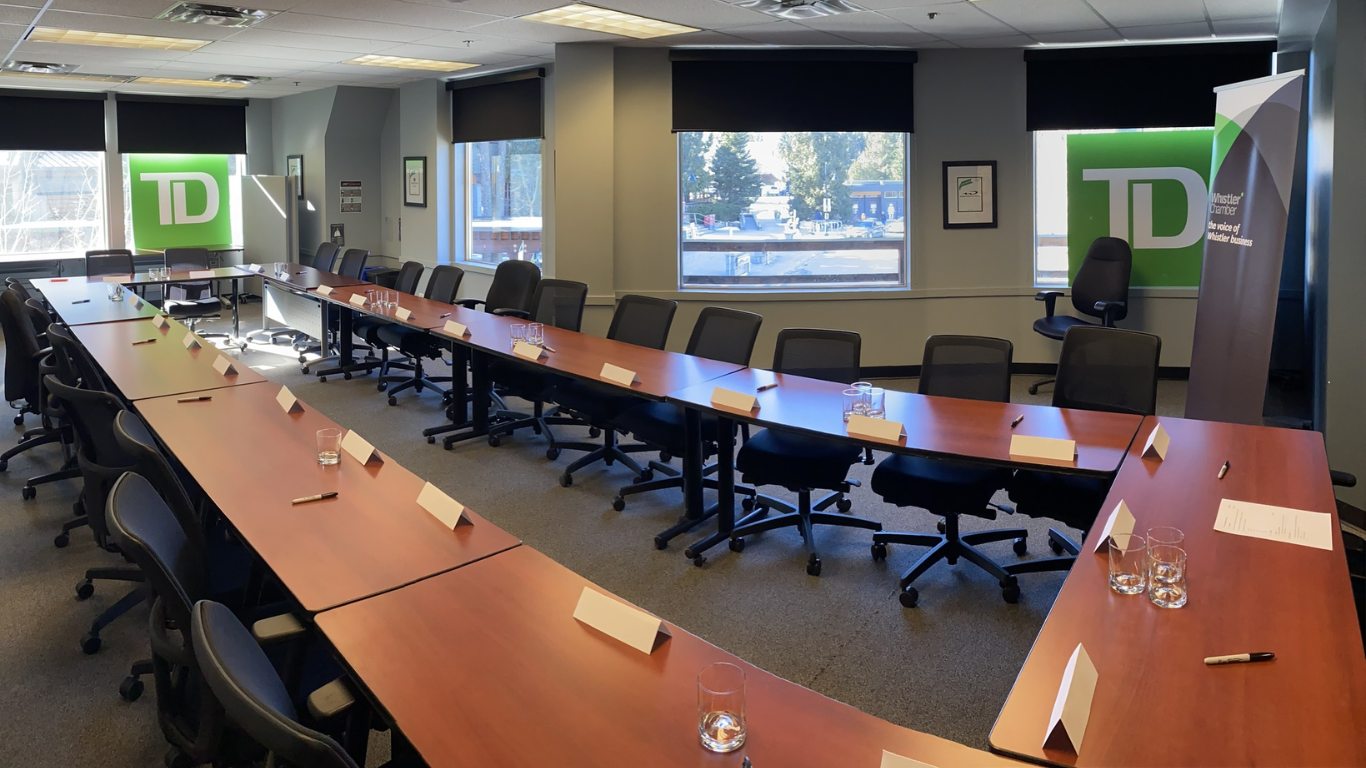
x: 400, y: 62
x: 113, y: 39
x: 83, y: 78
x: 580, y: 16
x: 180, y: 81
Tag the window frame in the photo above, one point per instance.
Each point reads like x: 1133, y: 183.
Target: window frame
x: 102, y: 240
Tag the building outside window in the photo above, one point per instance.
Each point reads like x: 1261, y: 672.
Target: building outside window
x: 503, y: 200
x: 775, y: 211
x: 51, y: 202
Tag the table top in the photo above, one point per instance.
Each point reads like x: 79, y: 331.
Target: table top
x: 1156, y: 703
x: 303, y: 277
x: 486, y: 666
x: 143, y: 278
x: 427, y: 314
x: 162, y: 368
x: 215, y: 248
x: 96, y: 307
x: 971, y: 429
x: 252, y: 458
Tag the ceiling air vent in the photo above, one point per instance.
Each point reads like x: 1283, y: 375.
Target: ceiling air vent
x: 797, y: 10
x: 238, y: 79
x: 216, y: 15
x: 37, y: 67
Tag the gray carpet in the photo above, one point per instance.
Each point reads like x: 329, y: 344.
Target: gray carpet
x: 944, y: 668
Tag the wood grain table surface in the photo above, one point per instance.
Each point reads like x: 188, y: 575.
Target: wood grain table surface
x: 164, y: 367
x: 79, y: 302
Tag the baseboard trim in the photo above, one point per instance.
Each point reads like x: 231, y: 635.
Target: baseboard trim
x: 1171, y: 373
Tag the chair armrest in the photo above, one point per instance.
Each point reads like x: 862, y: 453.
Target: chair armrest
x: 468, y: 303
x: 42, y: 353
x: 1109, y: 311
x: 510, y: 312
x: 1050, y: 300
x: 1344, y: 479
x: 331, y: 700
x: 278, y: 629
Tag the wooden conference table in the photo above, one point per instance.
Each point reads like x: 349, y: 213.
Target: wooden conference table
x: 82, y: 302
x: 56, y: 288
x: 163, y: 367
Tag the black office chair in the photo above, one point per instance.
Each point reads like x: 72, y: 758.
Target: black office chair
x: 970, y: 367
x: 325, y: 258
x: 721, y: 334
x: 1100, y: 290
x: 24, y: 350
x: 112, y: 261
x: 640, y: 320
x: 1101, y: 369
x: 192, y: 302
x: 54, y: 419
x: 415, y: 344
x: 513, y: 286
x: 366, y: 327
x: 353, y: 263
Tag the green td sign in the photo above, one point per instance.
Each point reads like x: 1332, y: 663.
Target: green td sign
x: 1148, y: 188
x: 179, y: 200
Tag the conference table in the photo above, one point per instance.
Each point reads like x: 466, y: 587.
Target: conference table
x: 162, y: 367
x: 56, y: 289
x: 83, y: 302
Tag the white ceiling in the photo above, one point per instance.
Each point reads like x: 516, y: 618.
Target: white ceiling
x: 302, y: 48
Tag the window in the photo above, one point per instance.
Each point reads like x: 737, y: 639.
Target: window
x: 792, y: 210
x: 51, y: 202
x: 503, y: 201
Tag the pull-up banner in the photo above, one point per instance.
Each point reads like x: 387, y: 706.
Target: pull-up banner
x: 1256, y: 127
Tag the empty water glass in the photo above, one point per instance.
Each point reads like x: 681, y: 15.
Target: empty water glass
x: 535, y: 333
x: 1167, y: 579
x: 877, y: 398
x: 861, y: 406
x: 115, y: 291
x: 1128, y: 563
x: 721, y: 707
x: 518, y: 332
x: 1158, y: 536
x: 852, y: 399
x: 329, y: 445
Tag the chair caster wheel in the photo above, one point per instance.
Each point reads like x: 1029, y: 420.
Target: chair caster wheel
x: 747, y: 504
x: 4, y: 464
x: 28, y: 493
x: 380, y: 387
x: 177, y: 759
x: 61, y: 540
x: 1055, y: 546
x: 19, y: 420
x: 879, y: 552
x: 939, y: 526
x: 646, y: 476
x: 844, y: 505
x: 85, y: 590
x: 699, y: 561
x: 661, y: 543
x: 495, y: 441
x: 813, y: 566
x: 566, y: 481
x: 323, y: 379
x: 737, y: 545
x: 447, y: 446
x: 90, y: 644
x: 665, y: 457
x: 1033, y: 389
x: 552, y: 453
x: 594, y: 432
x: 1020, y: 546
x: 1011, y: 593
x: 431, y: 440
x: 130, y: 689
x: 305, y: 370
x: 346, y: 375
x: 618, y: 503
x: 909, y: 597
x: 393, y: 400
x: 303, y: 359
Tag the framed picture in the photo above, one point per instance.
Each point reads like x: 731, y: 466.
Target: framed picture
x: 294, y: 167
x: 415, y: 181
x: 970, y: 194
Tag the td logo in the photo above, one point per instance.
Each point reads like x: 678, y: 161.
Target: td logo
x: 179, y: 200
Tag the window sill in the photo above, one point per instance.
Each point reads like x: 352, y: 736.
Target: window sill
x: 887, y: 294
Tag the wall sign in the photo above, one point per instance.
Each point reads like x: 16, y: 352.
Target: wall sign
x: 350, y: 196
x: 294, y: 168
x: 415, y: 181
x: 179, y: 200
x: 337, y: 233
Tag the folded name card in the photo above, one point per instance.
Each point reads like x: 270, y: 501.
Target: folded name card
x: 115, y: 278
x: 288, y: 401
x: 403, y: 314
x: 201, y: 273
x: 325, y: 290
x: 527, y: 351
x: 1120, y: 523
x: 632, y: 626
x: 732, y: 400
x: 890, y: 760
x: 224, y: 366
x: 159, y: 321
x: 252, y: 267
x: 450, y: 512
x: 137, y: 302
x: 192, y: 341
x: 358, y: 299
x: 458, y: 329
x: 1071, y: 710
x: 1043, y: 448
x: 618, y: 375
x: 875, y: 429
x: 1157, y: 444
x: 360, y: 449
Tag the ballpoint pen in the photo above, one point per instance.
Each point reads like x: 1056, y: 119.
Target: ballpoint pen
x: 547, y: 347
x: 766, y: 387
x: 448, y: 314
x: 315, y: 497
x: 82, y: 301
x: 200, y: 399
x: 1223, y: 470
x: 1239, y: 658
x: 144, y: 341
x: 1017, y: 421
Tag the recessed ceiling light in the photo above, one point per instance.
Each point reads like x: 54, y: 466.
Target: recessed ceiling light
x: 797, y: 10
x: 37, y: 67
x: 400, y: 62
x: 180, y: 81
x: 216, y: 15
x: 113, y: 39
x: 70, y: 76
x: 589, y: 17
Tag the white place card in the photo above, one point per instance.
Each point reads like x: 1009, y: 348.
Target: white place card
x: 527, y: 351
x: 137, y: 301
x: 252, y: 267
x: 159, y: 321
x: 360, y: 449
x: 324, y: 290
x: 618, y: 375
x: 732, y: 400
x: 224, y: 366
x: 1071, y: 710
x: 1157, y: 444
x: 403, y: 314
x: 458, y: 329
x: 200, y: 274
x: 1120, y: 523
x: 632, y: 626
x: 869, y: 428
x: 450, y: 512
x: 1050, y: 448
x: 1283, y: 524
x: 115, y: 278
x: 288, y: 401
x: 890, y: 760
x: 358, y: 299
x: 192, y: 341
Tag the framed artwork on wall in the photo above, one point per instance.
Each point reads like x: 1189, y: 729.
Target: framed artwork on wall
x: 294, y: 167
x: 415, y: 181
x: 970, y: 194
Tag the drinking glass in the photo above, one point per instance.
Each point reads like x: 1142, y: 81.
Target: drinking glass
x: 1167, y: 575
x: 518, y: 332
x: 721, y: 707
x: 861, y: 407
x: 391, y: 299
x: 535, y: 333
x: 1157, y: 536
x: 877, y: 398
x: 852, y: 399
x: 115, y: 291
x: 329, y: 445
x: 1128, y: 563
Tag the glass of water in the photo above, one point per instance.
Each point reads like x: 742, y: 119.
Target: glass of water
x: 861, y: 407
x: 535, y: 333
x: 329, y: 445
x: 852, y: 399
x: 518, y: 332
x: 721, y: 707
x: 877, y: 399
x: 1128, y: 564
x: 1158, y: 536
x: 1167, y: 575
x: 115, y: 291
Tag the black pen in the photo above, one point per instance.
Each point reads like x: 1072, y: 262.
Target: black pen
x: 1223, y: 470
x: 144, y: 341
x: 200, y: 399
x: 82, y: 301
x: 315, y: 497
x: 448, y: 314
x: 1017, y: 421
x: 766, y: 387
x: 1239, y: 658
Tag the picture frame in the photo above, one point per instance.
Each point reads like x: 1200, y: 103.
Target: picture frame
x: 415, y: 181
x: 970, y: 194
x: 294, y: 166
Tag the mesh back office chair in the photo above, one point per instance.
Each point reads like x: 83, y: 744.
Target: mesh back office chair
x: 799, y: 463
x: 969, y: 367
x: 721, y: 334
x: 640, y: 320
x: 415, y: 344
x: 1100, y: 290
x: 192, y: 302
x: 325, y: 258
x: 366, y: 327
x: 25, y: 356
x: 353, y: 262
x: 113, y: 261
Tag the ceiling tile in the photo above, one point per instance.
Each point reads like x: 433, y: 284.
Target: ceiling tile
x: 12, y: 14
x: 885, y: 5
x: 508, y: 8
x: 232, y: 68
x: 707, y: 38
x: 951, y: 21
x: 366, y: 30
x: 245, y: 50
x: 703, y: 14
x: 467, y: 55
x: 1245, y: 27
x: 779, y: 32
x: 1166, y: 31
x: 1128, y: 13
x: 541, y: 32
x: 61, y: 52
x: 1242, y: 9
x: 430, y: 17
x: 146, y: 9
x: 484, y: 42
x: 1030, y: 16
x: 281, y: 39
x: 1007, y: 41
x: 1085, y: 36
x: 96, y: 22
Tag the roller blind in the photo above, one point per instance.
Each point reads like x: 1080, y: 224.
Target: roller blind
x: 498, y: 107
x: 1146, y: 86
x: 793, y: 90
x: 41, y: 120
x: 167, y: 125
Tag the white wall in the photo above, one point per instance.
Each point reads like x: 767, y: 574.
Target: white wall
x: 300, y: 128
x: 353, y: 154
x: 391, y: 183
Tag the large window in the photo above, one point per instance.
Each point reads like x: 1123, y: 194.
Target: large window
x: 51, y: 202
x: 503, y: 201
x: 792, y: 210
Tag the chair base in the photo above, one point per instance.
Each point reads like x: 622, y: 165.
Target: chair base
x: 90, y: 643
x: 1060, y: 543
x: 609, y: 453
x: 674, y: 479
x: 950, y: 546
x: 1034, y: 388
x: 803, y: 517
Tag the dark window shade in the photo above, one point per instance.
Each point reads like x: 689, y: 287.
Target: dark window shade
x: 36, y: 121
x: 1155, y: 86
x: 799, y: 90
x: 497, y: 108
x: 182, y: 126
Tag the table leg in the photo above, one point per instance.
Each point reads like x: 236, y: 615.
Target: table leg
x: 236, y: 325
x: 457, y: 411
x: 480, y: 397
x: 725, y: 494
x: 694, y: 513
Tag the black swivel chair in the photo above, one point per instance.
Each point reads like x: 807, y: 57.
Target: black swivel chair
x: 366, y: 327
x: 1100, y: 290
x: 322, y: 259
x: 416, y: 344
x: 113, y: 261
x: 640, y: 320
x: 24, y: 350
x: 513, y: 286
x: 193, y: 302
x: 799, y: 463
x: 975, y: 368
x: 1101, y: 369
x: 325, y: 258
x: 721, y: 334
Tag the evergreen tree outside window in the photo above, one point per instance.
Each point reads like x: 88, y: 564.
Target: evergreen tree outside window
x: 504, y: 193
